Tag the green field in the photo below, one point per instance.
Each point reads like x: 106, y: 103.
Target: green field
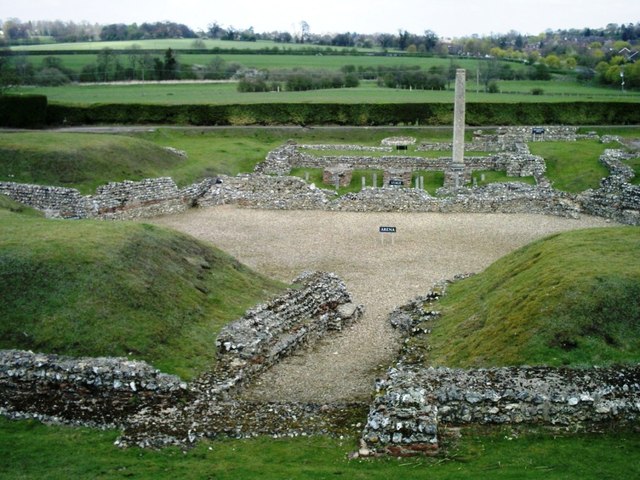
x: 570, y: 299
x: 174, y: 43
x: 226, y: 93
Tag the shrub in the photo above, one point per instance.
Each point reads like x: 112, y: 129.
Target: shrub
x: 50, y: 77
x: 537, y: 91
x: 493, y: 87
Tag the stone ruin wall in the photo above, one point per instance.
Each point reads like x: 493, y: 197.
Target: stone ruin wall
x: 118, y: 392
x: 268, y: 332
x: 116, y: 200
x: 616, y: 198
x: 415, y: 405
x: 100, y: 392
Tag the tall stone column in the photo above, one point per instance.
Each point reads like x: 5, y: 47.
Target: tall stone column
x: 457, y: 166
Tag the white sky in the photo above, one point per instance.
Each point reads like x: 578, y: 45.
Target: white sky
x: 445, y: 17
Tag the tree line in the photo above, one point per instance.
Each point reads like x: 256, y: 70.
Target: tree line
x: 607, y: 56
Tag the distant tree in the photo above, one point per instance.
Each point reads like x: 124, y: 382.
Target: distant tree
x: 304, y: 31
x: 403, y: 39
x: 386, y: 40
x: 283, y: 37
x: 248, y: 35
x: 539, y: 72
x: 215, y: 30
x: 107, y: 65
x: 170, y: 65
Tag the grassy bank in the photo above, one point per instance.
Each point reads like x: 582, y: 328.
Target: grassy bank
x: 570, y: 299
x: 90, y: 288
x: 33, y: 451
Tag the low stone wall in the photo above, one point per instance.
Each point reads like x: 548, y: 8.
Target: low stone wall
x: 616, y: 198
x: 266, y: 191
x: 116, y: 200
x: 157, y: 409
x: 414, y: 403
x: 56, y: 202
x: 100, y: 392
x: 355, y: 148
x: 318, y: 305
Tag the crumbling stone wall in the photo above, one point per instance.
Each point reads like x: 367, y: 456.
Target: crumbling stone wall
x: 56, y: 202
x: 318, y: 305
x: 88, y: 391
x: 117, y: 392
x: 616, y: 198
x: 414, y: 403
x: 117, y: 200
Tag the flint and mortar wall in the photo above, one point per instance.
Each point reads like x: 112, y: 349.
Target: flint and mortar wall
x: 268, y: 332
x: 116, y: 200
x: 416, y: 402
x: 88, y: 391
x: 117, y: 392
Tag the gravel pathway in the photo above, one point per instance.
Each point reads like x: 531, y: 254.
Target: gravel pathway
x: 426, y: 248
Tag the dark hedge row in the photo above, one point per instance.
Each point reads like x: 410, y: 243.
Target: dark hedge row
x: 478, y: 114
x: 32, y: 111
x: 23, y: 111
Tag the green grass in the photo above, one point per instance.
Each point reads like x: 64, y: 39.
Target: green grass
x: 572, y: 166
x: 161, y: 44
x: 33, y: 451
x: 432, y: 180
x: 77, y: 160
x: 92, y: 288
x: 491, y: 176
x: 85, y: 161
x: 12, y: 206
x: 635, y: 164
x: 226, y: 94
x: 570, y: 299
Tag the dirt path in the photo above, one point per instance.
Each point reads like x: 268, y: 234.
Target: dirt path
x: 427, y: 248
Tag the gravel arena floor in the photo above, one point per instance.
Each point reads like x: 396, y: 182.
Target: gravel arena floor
x: 381, y: 275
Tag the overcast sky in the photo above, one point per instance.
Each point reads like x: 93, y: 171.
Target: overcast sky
x: 444, y: 17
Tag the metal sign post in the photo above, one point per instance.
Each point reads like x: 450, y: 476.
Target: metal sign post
x: 387, y: 231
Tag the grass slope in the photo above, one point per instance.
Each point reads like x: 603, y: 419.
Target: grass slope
x: 33, y: 451
x: 570, y: 299
x: 116, y: 289
x: 80, y: 160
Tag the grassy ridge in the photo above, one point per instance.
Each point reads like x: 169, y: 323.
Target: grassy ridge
x: 88, y: 288
x: 570, y: 299
x: 34, y: 451
x: 83, y: 161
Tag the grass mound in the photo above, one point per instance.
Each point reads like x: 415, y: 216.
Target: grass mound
x: 78, y: 160
x: 570, y: 299
x: 118, y: 289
